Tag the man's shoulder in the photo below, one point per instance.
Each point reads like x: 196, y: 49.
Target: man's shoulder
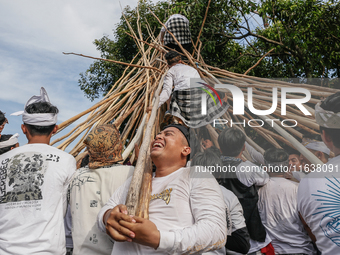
x: 46, y: 151
x: 249, y: 168
x: 283, y: 183
x: 180, y: 68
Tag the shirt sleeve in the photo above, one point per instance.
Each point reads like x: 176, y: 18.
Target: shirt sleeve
x: 71, y: 164
x: 117, y: 198
x: 250, y: 174
x: 256, y: 156
x: 236, y: 213
x: 209, y: 229
x: 167, y: 88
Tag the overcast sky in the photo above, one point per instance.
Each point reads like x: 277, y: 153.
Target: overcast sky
x: 33, y: 35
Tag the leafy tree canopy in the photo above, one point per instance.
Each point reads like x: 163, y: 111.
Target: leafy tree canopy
x: 304, y: 36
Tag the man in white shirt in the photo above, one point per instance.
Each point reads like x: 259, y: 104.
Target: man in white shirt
x: 243, y: 178
x: 187, y: 211
x: 318, y: 192
x: 34, y: 181
x: 278, y: 208
x: 183, y: 86
x: 319, y: 149
x: 93, y: 185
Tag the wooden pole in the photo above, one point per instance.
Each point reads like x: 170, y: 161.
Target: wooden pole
x: 133, y: 196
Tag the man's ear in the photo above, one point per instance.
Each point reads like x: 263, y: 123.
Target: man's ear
x: 244, y: 147
x: 55, y: 129
x: 186, y: 151
x: 24, y: 129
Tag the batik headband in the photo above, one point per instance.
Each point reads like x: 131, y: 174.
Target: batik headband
x: 38, y: 119
x: 10, y: 142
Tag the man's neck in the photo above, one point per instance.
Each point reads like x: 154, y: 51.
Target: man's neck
x: 164, y: 170
x: 39, y: 139
x: 279, y: 175
x: 336, y: 151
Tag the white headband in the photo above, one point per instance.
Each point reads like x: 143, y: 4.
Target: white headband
x: 327, y: 119
x: 11, y: 141
x: 38, y: 119
x: 318, y: 146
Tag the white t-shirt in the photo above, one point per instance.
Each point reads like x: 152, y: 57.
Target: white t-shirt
x: 278, y: 210
x: 179, y: 76
x: 89, y: 191
x: 34, y: 182
x: 188, y: 209
x: 318, y: 203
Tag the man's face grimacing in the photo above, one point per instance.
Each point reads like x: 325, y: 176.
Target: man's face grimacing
x: 169, y: 144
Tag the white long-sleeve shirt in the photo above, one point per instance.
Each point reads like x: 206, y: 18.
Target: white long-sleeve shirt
x: 188, y: 209
x: 179, y: 76
x: 256, y: 156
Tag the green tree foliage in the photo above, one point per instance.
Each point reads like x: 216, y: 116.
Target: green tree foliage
x: 305, y: 35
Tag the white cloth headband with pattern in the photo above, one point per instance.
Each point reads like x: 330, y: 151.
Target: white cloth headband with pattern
x: 38, y: 119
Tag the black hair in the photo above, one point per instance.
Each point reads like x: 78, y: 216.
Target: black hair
x: 231, y: 141
x: 85, y: 161
x: 41, y: 107
x: 8, y: 148
x: 2, y: 117
x: 292, y: 151
x: 332, y: 103
x: 275, y: 155
x: 210, y: 157
x: 194, y: 143
x: 334, y: 134
x: 172, y: 57
x: 315, y: 137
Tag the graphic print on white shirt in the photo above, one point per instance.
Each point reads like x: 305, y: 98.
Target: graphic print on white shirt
x: 81, y: 178
x: 22, y: 177
x: 330, y: 208
x: 164, y: 195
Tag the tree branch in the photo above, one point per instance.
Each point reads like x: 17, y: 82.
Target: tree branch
x: 258, y: 62
x: 114, y: 61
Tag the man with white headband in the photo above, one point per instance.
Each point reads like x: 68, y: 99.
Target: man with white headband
x: 278, y: 207
x: 319, y: 149
x: 33, y: 187
x: 8, y: 142
x: 318, y: 193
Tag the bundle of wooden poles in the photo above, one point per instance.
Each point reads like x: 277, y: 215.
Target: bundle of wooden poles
x: 139, y: 88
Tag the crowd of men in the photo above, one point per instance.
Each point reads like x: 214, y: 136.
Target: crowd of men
x: 49, y: 204
x: 191, y: 210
